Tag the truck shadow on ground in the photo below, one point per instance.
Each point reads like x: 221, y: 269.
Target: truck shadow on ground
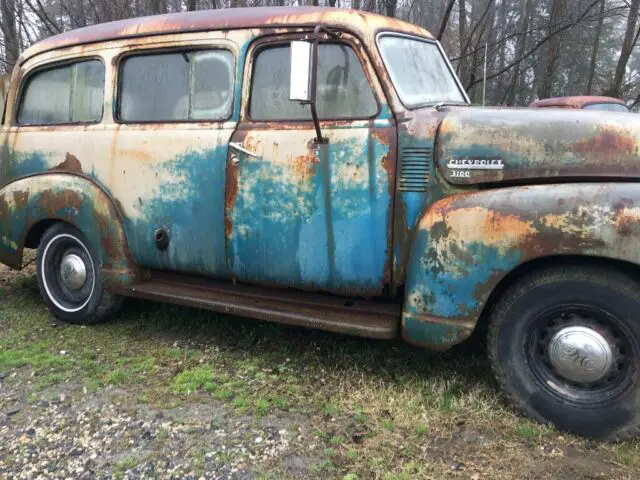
x: 384, y: 359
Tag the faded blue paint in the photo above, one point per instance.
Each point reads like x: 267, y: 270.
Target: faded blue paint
x: 450, y: 291
x: 14, y: 164
x: 435, y: 290
x: 319, y: 231
x: 435, y: 335
x: 190, y: 207
x: 410, y: 206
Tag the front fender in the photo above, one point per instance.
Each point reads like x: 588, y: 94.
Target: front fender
x: 73, y: 199
x: 466, y: 244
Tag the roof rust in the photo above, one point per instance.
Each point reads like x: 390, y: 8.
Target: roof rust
x: 362, y: 23
x: 574, y: 102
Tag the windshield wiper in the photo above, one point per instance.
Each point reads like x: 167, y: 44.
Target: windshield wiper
x: 439, y: 105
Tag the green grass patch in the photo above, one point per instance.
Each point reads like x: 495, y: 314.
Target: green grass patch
x: 190, y: 381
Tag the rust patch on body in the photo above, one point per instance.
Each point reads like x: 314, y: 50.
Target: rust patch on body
x: 608, y: 141
x: 230, y: 194
x: 133, y: 154
x: 20, y: 198
x: 304, y: 165
x: 53, y: 202
x: 70, y: 164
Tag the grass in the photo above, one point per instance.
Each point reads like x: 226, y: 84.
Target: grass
x: 379, y: 409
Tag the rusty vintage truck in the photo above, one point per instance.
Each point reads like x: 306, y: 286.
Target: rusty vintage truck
x: 323, y: 167
x: 586, y: 102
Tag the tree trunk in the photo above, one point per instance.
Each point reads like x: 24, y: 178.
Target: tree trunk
x: 500, y: 87
x: 627, y: 46
x: 9, y: 32
x: 521, y: 45
x: 445, y: 18
x: 594, y: 53
x: 390, y: 7
x: 556, y: 19
x: 462, y: 37
x: 355, y: 4
x: 191, y: 5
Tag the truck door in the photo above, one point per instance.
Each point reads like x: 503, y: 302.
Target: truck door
x: 175, y: 119
x: 307, y: 215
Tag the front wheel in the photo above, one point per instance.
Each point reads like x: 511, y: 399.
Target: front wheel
x: 69, y: 277
x: 564, y: 345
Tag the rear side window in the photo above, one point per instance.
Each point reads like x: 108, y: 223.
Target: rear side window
x: 72, y: 93
x: 343, y: 88
x: 181, y: 86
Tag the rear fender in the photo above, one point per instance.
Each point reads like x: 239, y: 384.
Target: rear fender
x: 466, y: 244
x: 73, y: 199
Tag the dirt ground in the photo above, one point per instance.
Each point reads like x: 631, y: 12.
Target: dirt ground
x: 167, y: 392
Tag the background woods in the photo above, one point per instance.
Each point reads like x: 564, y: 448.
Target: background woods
x: 535, y: 48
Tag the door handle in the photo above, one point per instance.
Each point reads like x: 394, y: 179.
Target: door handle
x: 240, y: 148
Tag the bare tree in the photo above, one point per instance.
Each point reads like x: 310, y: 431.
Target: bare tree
x: 9, y: 33
x: 445, y: 18
x: 556, y: 21
x: 596, y: 45
x: 629, y: 42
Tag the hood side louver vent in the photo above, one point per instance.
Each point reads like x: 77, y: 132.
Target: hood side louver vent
x: 415, y: 169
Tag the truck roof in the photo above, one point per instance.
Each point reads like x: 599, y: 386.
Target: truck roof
x: 360, y: 22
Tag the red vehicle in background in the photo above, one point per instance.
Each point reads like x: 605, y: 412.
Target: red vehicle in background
x: 583, y: 102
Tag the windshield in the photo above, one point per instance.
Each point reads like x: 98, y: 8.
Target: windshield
x: 419, y: 71
x: 611, y: 107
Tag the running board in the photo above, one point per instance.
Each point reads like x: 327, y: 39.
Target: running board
x: 325, y: 312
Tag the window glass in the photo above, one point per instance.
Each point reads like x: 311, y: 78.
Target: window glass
x: 612, y: 107
x: 343, y: 90
x: 419, y: 72
x: 176, y: 87
x: 67, y: 94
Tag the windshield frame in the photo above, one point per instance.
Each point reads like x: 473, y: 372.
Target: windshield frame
x: 446, y: 61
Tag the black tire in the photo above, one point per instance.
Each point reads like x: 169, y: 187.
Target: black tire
x: 524, y: 328
x: 84, y: 304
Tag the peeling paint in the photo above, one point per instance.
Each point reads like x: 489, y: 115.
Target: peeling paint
x: 467, y: 243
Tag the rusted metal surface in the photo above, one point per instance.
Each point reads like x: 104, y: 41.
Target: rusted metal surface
x: 331, y: 313
x: 467, y: 243
x: 313, y: 216
x: 490, y: 146
x: 577, y: 102
x: 70, y: 198
x: 417, y: 132
x: 364, y: 24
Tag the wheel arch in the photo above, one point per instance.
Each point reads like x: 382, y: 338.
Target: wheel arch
x: 30, y: 205
x: 468, y: 247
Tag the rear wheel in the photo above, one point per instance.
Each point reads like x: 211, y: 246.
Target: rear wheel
x: 69, y: 277
x: 564, y: 345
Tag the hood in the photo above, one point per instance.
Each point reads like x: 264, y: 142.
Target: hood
x: 496, y: 145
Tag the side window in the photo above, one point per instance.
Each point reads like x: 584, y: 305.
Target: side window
x: 181, y: 86
x: 343, y: 88
x: 72, y: 93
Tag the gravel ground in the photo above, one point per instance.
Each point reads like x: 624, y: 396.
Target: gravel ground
x: 67, y: 434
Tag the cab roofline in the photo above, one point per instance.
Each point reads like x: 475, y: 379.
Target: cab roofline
x: 360, y: 22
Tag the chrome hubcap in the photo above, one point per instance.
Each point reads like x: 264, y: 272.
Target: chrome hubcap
x: 581, y: 354
x: 73, y: 271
